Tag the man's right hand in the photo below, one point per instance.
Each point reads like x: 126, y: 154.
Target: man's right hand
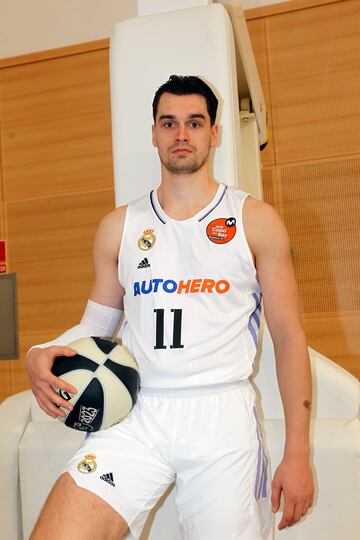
x: 39, y: 362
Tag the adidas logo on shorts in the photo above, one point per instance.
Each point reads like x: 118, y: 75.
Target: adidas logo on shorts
x: 144, y: 263
x: 109, y: 478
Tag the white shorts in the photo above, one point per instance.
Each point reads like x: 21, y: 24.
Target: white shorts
x: 210, y: 445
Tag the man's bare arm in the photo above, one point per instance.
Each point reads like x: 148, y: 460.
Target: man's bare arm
x: 269, y: 242
x: 106, y: 288
x: 106, y: 291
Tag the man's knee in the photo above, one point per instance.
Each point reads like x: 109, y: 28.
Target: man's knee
x: 74, y: 513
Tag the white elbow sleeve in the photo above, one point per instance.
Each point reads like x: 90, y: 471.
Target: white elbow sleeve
x: 98, y: 320
x: 102, y: 319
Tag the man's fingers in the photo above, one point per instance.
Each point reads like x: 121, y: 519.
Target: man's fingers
x: 297, y: 489
x: 49, y: 407
x: 44, y: 407
x: 49, y: 400
x: 298, y: 512
x: 56, y: 411
x: 58, y: 350
x: 56, y: 382
x: 293, y: 513
x: 275, y: 496
x: 306, y: 506
x: 53, y: 397
x: 287, y: 516
x: 44, y: 382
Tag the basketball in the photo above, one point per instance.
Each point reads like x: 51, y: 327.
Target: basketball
x: 107, y: 379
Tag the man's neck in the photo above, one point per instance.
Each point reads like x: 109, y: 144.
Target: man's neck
x: 183, y: 196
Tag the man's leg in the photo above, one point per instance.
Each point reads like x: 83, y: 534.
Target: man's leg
x: 222, y: 476
x: 74, y: 513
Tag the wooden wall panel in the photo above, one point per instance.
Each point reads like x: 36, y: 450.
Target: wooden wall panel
x: 57, y: 184
x: 314, y: 67
x: 2, y: 218
x: 5, y: 381
x: 51, y: 248
x: 272, y: 188
x: 268, y: 186
x: 258, y: 41
x: 56, y: 126
x: 321, y: 211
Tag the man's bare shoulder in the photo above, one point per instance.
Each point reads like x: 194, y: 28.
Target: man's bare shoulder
x: 109, y: 232
x: 256, y: 209
x: 115, y: 218
x: 262, y: 224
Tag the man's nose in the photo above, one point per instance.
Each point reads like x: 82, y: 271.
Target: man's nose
x: 182, y: 133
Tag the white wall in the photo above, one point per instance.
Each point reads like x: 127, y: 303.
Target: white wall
x: 34, y: 25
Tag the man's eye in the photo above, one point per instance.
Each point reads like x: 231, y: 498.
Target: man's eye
x: 194, y: 124
x: 168, y: 124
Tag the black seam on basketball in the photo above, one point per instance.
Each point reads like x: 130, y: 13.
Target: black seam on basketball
x: 62, y: 364
x: 105, y: 345
x: 92, y: 397
x: 127, y: 375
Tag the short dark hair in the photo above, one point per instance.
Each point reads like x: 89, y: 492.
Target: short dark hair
x: 181, y: 85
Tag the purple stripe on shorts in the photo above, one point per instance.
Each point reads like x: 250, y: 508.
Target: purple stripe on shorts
x: 259, y: 471
x: 262, y: 464
x: 264, y: 486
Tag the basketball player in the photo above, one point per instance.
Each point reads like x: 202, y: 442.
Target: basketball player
x: 189, y: 264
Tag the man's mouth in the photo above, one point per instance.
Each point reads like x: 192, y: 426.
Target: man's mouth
x: 182, y: 151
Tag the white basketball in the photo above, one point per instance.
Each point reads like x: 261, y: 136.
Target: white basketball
x: 107, y: 379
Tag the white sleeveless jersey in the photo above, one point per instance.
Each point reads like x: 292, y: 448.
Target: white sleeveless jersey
x: 192, y: 300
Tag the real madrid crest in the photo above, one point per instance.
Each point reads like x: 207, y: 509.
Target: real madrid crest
x: 88, y: 464
x: 147, y: 240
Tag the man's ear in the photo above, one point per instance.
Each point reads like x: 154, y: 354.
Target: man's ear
x: 154, y: 143
x: 214, y: 135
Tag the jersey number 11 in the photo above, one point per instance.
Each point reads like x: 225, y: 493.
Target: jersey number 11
x: 176, y: 340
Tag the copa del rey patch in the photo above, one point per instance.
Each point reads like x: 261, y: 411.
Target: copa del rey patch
x: 221, y: 230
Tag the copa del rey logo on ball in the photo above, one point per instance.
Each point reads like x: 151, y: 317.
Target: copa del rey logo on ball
x: 87, y: 415
x: 86, y: 418
x: 221, y: 230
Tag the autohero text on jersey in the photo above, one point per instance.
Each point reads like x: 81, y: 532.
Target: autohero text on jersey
x: 201, y: 285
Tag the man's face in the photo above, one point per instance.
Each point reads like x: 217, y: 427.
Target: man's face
x: 182, y: 133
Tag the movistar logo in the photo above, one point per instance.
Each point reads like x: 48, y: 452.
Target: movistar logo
x: 199, y: 285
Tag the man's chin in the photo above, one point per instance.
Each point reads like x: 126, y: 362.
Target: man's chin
x: 182, y: 168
